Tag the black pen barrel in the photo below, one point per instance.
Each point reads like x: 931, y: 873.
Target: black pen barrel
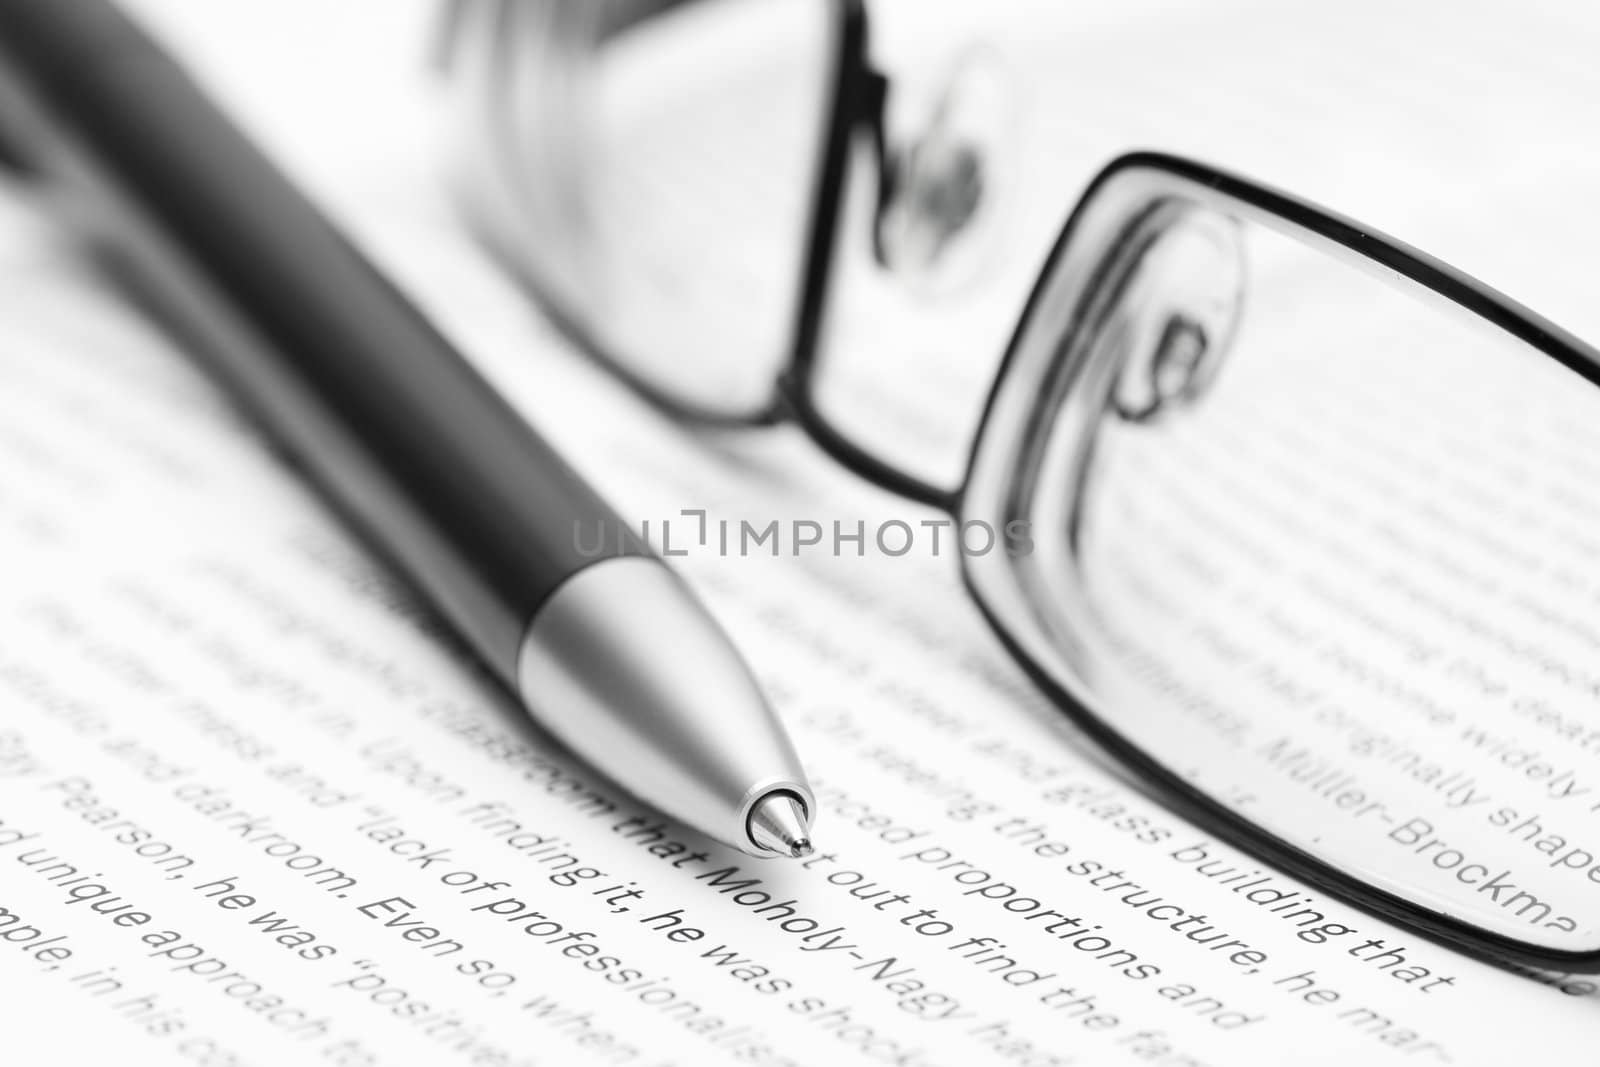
x: 350, y: 380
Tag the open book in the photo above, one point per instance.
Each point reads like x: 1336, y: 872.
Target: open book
x: 255, y: 808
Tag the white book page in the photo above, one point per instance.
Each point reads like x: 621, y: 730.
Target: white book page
x: 256, y: 809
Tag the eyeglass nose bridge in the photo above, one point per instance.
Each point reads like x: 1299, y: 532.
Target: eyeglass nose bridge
x: 944, y: 170
x: 1178, y: 298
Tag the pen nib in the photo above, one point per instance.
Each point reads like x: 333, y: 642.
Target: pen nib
x: 778, y: 824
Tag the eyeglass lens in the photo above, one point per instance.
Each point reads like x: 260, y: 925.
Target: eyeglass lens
x: 1327, y: 550
x: 701, y: 151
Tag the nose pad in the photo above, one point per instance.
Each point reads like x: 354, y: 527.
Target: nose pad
x: 1176, y: 315
x: 945, y: 176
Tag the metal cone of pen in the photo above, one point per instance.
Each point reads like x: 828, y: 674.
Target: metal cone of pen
x: 624, y: 666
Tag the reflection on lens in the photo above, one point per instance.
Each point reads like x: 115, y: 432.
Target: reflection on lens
x: 648, y: 168
x: 706, y: 126
x: 1351, y: 588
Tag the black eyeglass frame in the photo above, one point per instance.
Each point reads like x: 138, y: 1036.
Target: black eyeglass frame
x: 855, y: 110
x: 1185, y: 178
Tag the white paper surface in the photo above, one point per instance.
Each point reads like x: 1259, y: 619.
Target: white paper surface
x: 253, y: 810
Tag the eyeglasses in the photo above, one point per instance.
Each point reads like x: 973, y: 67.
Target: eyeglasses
x: 1313, y: 525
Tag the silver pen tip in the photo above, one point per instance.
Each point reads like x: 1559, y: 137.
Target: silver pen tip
x: 778, y: 824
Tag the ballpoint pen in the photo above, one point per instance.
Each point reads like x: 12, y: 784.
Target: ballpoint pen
x: 611, y: 652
